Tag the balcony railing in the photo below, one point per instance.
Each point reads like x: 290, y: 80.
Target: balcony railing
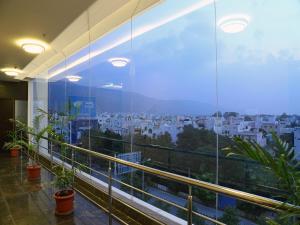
x: 71, y: 163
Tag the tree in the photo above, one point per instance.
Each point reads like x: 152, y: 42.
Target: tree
x: 194, y: 139
x: 164, y: 140
x: 230, y: 216
x: 281, y: 161
x: 282, y: 117
x: 217, y: 114
x: 247, y: 118
x: 183, y: 214
x: 230, y: 114
x: 205, y: 195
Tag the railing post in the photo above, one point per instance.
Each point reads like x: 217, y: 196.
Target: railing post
x: 190, y: 207
x: 143, y: 183
x: 51, y: 154
x: 72, y: 158
x: 109, y: 193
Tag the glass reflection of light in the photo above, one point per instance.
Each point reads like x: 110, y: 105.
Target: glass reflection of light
x: 137, y: 32
x: 72, y: 78
x: 233, y: 23
x: 119, y: 62
x: 113, y: 86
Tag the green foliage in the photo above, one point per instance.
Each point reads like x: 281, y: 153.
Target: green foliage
x: 280, y: 160
x: 230, y: 114
x: 183, y: 215
x: 37, y: 132
x: 63, y: 178
x: 205, y: 195
x: 164, y: 140
x: 15, y: 141
x: 162, y: 205
x: 98, y: 140
x: 230, y: 216
x: 194, y: 139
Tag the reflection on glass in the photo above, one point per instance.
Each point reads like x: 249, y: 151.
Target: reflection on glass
x: 149, y: 92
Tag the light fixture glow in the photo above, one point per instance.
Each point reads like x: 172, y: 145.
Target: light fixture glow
x: 233, y: 23
x: 73, y: 78
x: 32, y: 46
x: 11, y: 71
x: 138, y: 32
x: 119, y: 62
x: 113, y: 86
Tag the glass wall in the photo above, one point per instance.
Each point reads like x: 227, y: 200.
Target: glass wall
x: 171, y: 87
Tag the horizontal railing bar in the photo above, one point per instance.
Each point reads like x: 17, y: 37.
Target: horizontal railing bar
x: 90, y: 199
x: 146, y: 193
x: 241, y: 195
x: 208, y: 218
x: 266, y: 202
x: 207, y: 154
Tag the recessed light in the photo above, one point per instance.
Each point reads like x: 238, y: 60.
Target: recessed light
x: 11, y: 71
x: 119, y: 62
x: 234, y: 23
x: 73, y: 78
x: 32, y: 46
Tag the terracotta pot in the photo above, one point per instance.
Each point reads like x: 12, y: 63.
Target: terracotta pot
x: 14, y: 152
x: 64, y: 204
x: 34, y: 172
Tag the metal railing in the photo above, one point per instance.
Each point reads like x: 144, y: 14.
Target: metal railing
x: 264, y: 202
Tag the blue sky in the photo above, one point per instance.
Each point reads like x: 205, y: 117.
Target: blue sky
x: 258, y: 68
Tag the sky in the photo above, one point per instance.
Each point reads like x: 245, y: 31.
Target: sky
x: 258, y: 68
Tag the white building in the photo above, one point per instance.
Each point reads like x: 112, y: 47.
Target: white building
x: 297, y: 142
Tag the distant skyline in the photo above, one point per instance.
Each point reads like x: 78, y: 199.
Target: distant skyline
x: 259, y: 68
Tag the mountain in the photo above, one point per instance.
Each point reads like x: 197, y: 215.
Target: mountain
x: 109, y: 100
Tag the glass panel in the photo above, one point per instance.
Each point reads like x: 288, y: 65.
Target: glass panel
x: 258, y: 73
x: 174, y: 98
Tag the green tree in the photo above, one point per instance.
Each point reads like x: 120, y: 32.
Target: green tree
x: 194, y: 139
x: 230, y: 216
x: 164, y: 140
x: 229, y: 114
x: 281, y: 161
x: 196, y: 219
x: 205, y: 195
x: 217, y: 114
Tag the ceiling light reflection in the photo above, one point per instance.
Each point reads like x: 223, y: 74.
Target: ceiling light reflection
x: 234, y: 23
x: 136, y: 33
x: 113, y: 86
x: 72, y: 78
x: 119, y: 62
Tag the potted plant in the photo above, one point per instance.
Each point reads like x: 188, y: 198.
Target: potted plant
x: 35, y: 134
x: 64, y: 197
x: 15, y: 144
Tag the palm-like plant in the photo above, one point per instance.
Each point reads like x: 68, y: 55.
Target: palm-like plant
x: 15, y: 141
x: 280, y: 159
x: 63, y: 179
x: 36, y: 133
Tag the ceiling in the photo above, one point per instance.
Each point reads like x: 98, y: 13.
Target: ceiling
x: 40, y: 19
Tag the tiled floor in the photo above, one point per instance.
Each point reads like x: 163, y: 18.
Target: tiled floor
x: 31, y: 203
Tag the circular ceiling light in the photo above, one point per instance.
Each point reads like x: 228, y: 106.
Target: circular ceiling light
x: 32, y: 46
x: 11, y: 71
x: 73, y: 78
x: 233, y: 23
x: 119, y: 62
